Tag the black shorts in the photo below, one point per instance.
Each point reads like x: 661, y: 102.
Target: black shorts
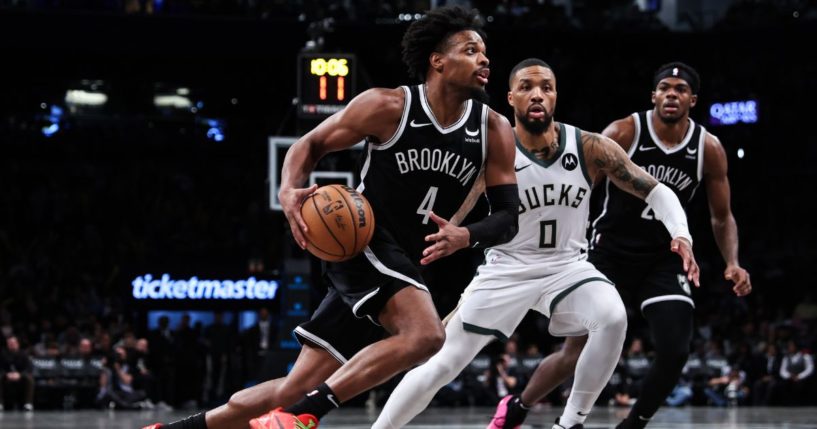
x: 346, y: 320
x: 645, y: 279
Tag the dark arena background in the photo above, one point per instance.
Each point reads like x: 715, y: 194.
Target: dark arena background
x: 141, y: 143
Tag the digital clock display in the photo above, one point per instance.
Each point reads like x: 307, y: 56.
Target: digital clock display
x: 325, y: 83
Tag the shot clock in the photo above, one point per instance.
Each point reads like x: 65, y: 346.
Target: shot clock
x: 326, y: 83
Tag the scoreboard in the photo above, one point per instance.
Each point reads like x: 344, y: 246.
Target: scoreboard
x: 326, y: 83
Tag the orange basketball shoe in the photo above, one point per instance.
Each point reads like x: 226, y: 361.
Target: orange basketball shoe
x: 280, y: 419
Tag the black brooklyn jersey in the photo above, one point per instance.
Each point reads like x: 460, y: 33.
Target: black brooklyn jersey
x: 422, y: 168
x: 626, y: 223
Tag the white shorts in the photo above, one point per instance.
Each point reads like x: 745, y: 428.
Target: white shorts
x: 499, y: 296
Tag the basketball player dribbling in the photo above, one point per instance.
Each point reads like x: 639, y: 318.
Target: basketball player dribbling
x: 426, y: 146
x: 545, y: 268
x: 628, y: 245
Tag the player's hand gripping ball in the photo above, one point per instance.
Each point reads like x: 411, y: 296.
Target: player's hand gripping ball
x: 340, y: 222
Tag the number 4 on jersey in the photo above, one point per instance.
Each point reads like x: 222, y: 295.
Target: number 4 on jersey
x: 648, y: 213
x: 428, y: 204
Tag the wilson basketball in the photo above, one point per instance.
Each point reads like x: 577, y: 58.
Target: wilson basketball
x: 340, y: 222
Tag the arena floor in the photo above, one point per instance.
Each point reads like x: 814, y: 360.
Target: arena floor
x: 699, y: 418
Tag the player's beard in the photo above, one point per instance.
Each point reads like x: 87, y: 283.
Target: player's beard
x: 536, y: 127
x: 480, y: 95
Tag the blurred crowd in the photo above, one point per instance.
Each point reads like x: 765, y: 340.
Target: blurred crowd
x: 103, y: 363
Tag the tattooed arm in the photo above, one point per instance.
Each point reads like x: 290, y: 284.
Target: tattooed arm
x: 606, y: 157
x: 470, y: 200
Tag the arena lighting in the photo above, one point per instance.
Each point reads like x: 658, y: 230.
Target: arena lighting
x: 53, y: 118
x: 82, y: 97
x: 215, y: 128
x: 146, y: 287
x: 50, y: 130
x: 733, y: 112
x: 177, y: 101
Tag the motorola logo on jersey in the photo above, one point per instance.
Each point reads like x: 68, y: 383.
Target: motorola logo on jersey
x: 569, y: 162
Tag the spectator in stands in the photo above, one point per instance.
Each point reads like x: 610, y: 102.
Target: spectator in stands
x: 727, y: 389
x: 501, y: 379
x: 116, y: 384
x: 16, y: 380
x: 257, y: 341
x: 219, y: 341
x: 189, y: 364
x: 768, y: 368
x: 162, y: 360
x: 796, y: 372
x: 143, y: 378
x: 636, y: 364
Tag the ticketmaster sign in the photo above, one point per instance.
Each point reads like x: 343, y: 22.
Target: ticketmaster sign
x: 147, y: 288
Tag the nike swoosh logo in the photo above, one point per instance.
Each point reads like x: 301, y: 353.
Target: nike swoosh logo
x: 644, y: 149
x: 416, y: 125
x: 301, y: 425
x: 692, y: 151
x: 582, y: 414
x: 471, y: 133
x: 332, y: 399
x: 522, y: 167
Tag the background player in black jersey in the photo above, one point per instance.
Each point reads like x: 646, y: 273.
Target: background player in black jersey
x: 660, y: 294
x: 629, y: 246
x: 344, y: 352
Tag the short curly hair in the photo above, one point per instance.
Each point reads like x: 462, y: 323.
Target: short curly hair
x: 429, y: 33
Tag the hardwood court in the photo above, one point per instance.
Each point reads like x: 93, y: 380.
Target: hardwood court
x: 463, y: 418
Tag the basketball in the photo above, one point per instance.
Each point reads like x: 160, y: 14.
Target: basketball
x: 340, y: 222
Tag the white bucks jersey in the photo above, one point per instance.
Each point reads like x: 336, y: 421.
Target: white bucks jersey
x: 554, y: 202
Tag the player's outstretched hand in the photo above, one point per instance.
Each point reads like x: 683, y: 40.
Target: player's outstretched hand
x: 743, y: 286
x: 447, y: 240
x: 291, y: 200
x: 683, y: 248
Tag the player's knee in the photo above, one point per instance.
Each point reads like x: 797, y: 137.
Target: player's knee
x: 611, y: 319
x: 424, y: 344
x: 432, y: 342
x: 239, y: 403
x: 616, y: 319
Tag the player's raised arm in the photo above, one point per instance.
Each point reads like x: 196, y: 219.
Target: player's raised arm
x: 372, y: 113
x: 605, y: 157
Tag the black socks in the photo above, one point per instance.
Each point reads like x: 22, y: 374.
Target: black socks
x: 196, y: 421
x: 317, y: 402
